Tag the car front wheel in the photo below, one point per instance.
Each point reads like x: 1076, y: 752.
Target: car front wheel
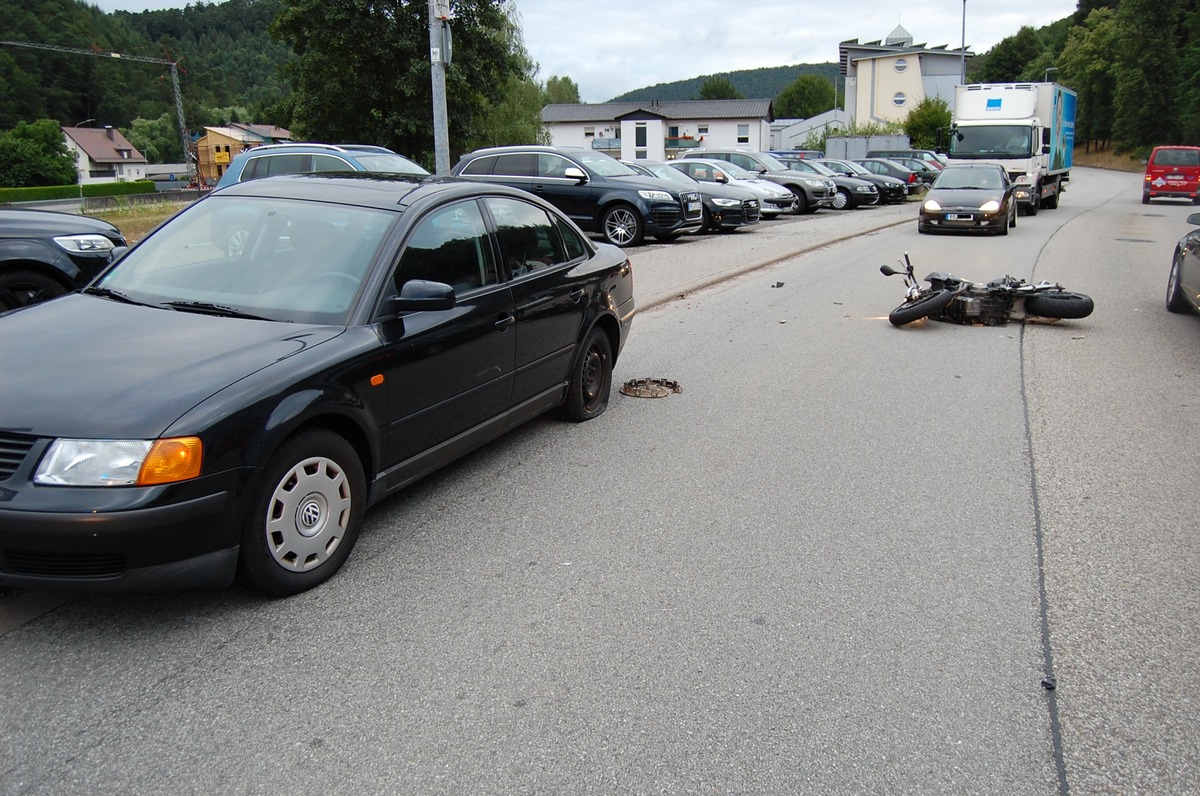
x: 841, y: 200
x: 21, y: 288
x: 622, y: 226
x: 1176, y: 301
x: 306, y: 516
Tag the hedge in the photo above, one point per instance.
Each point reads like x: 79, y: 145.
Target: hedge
x: 73, y: 191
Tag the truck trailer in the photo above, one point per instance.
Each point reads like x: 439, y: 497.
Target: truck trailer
x: 1028, y: 128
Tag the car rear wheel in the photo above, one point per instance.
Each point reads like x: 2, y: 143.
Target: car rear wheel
x: 622, y: 226
x: 21, y: 288
x: 801, y: 201
x: 306, y: 516
x: 591, y: 380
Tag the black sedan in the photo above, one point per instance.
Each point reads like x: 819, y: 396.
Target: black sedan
x: 890, y: 189
x: 725, y: 208
x: 912, y: 180
x: 45, y: 254
x: 969, y: 197
x: 193, y: 414
x: 1183, y: 285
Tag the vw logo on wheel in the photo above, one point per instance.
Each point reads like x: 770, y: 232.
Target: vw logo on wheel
x: 310, y: 515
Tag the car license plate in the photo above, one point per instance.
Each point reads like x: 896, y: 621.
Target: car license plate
x: 959, y: 217
x: 693, y: 207
x: 1175, y: 178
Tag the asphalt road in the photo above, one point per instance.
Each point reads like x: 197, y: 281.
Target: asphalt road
x: 842, y: 561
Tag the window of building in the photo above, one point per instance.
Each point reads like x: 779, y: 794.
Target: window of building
x: 899, y: 99
x: 900, y: 65
x: 589, y: 132
x: 702, y: 129
x: 639, y: 135
x: 743, y: 136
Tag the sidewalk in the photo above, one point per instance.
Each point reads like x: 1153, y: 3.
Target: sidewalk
x: 663, y: 272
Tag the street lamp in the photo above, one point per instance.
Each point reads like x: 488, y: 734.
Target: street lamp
x: 1049, y: 69
x: 962, y: 53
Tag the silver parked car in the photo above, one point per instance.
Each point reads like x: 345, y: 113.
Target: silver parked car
x: 775, y: 199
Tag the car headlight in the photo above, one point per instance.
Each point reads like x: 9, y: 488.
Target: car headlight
x: 865, y: 189
x: 119, y: 462
x: 657, y: 196
x: 931, y: 206
x: 85, y: 244
x: 990, y: 206
x: 814, y: 183
x: 727, y: 202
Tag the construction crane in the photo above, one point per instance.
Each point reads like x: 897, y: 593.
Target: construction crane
x: 185, y: 138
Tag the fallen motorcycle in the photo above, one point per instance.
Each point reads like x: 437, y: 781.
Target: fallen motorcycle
x: 995, y: 303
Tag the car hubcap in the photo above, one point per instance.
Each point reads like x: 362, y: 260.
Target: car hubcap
x: 840, y: 200
x: 308, y: 514
x: 621, y: 227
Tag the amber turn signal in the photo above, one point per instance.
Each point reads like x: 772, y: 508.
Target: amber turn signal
x: 171, y: 460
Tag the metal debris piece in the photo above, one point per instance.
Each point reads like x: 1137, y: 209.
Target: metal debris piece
x: 650, y: 388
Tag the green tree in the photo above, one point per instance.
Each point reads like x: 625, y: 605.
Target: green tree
x: 718, y: 88
x: 1086, y: 65
x: 927, y: 123
x: 1008, y: 59
x: 1144, y: 100
x: 34, y: 154
x: 516, y: 119
x: 561, y: 91
x: 807, y: 96
x: 361, y: 71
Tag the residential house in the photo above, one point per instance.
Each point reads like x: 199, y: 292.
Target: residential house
x: 104, y: 155
x: 660, y: 130
x: 218, y: 145
x: 884, y: 81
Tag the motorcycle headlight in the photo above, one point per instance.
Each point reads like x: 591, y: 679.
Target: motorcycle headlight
x: 656, y: 196
x: 932, y: 206
x: 727, y: 202
x: 119, y: 462
x: 85, y: 244
x: 990, y: 206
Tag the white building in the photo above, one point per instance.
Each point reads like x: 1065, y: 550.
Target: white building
x: 104, y: 155
x: 884, y: 81
x: 792, y: 133
x: 660, y: 130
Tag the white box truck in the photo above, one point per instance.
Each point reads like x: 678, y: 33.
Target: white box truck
x: 1028, y: 128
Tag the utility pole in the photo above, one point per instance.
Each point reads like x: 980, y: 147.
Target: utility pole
x: 439, y: 56
x: 185, y: 139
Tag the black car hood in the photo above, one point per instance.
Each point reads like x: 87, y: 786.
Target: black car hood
x: 965, y: 198
x: 83, y: 366
x: 22, y: 223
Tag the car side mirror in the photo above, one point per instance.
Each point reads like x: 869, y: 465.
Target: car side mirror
x: 720, y: 177
x: 420, y: 295
x: 1194, y: 219
x: 117, y: 253
x: 1046, y: 149
x: 576, y: 173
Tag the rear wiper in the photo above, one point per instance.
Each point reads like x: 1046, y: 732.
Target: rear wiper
x: 208, y: 308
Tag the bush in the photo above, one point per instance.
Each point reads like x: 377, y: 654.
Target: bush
x: 73, y: 191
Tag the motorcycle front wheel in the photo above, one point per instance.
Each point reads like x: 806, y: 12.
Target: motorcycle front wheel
x: 930, y: 304
x: 1059, y: 304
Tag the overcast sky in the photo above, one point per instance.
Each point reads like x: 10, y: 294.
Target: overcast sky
x: 613, y: 46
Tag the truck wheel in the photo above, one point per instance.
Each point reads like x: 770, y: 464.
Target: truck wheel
x: 1052, y: 201
x: 1035, y: 201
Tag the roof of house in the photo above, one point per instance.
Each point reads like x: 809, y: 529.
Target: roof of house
x: 851, y: 50
x: 104, y: 144
x: 267, y: 132
x: 682, y: 109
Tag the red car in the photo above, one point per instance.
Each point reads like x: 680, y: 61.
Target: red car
x: 1172, y: 172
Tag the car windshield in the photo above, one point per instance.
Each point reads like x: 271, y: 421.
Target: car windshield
x: 815, y: 168
x: 771, y: 162
x: 665, y: 172
x: 389, y: 163
x: 604, y: 165
x: 277, y: 259
x: 853, y: 167
x: 968, y: 179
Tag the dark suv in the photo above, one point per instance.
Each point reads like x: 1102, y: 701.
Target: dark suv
x: 45, y: 254
x: 599, y: 193
x: 812, y: 190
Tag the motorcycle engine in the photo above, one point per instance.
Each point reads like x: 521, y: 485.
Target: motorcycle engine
x: 980, y: 309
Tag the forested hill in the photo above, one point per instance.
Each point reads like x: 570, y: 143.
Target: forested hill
x: 762, y: 83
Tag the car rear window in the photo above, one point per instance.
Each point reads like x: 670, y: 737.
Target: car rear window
x: 1177, y: 157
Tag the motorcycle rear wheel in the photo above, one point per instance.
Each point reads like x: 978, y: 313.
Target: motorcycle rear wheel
x: 923, y: 307
x: 1059, y: 304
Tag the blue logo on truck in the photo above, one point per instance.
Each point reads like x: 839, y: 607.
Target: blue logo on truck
x: 993, y: 104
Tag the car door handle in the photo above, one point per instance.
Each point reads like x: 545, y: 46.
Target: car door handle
x: 577, y: 295
x: 505, y: 321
